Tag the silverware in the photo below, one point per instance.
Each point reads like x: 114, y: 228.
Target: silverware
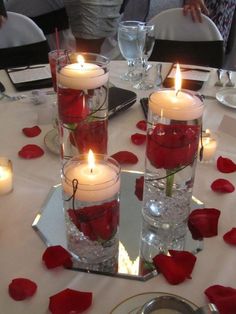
x: 12, y: 98
x: 159, y: 80
x: 229, y: 83
x: 219, y: 76
x: 11, y: 70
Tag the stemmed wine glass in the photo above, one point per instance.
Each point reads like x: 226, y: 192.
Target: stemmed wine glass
x: 128, y: 41
x: 146, y: 44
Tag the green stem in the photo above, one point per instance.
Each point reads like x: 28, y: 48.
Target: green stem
x: 169, y: 182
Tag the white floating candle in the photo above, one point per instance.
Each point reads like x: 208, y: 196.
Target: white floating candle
x: 6, y: 176
x: 82, y: 75
x: 209, y: 144
x: 95, y: 183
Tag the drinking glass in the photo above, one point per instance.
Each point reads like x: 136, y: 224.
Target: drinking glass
x: 128, y: 41
x: 146, y: 43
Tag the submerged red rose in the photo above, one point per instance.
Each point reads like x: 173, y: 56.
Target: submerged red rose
x: 55, y: 256
x: 222, y: 186
x: 22, y: 288
x: 97, y: 222
x: 172, y: 146
x: 225, y: 165
x: 223, y: 297
x: 70, y: 301
x: 203, y: 223
x: 125, y: 157
x: 177, y: 267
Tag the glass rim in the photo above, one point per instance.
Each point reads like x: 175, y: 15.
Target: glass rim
x: 135, y: 24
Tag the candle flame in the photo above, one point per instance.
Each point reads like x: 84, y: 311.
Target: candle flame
x: 208, y: 133
x: 80, y: 60
x: 178, y: 80
x: 91, y: 160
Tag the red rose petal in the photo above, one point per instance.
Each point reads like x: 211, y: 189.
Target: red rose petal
x: 70, y: 301
x: 142, y: 125
x: 222, y: 186
x: 225, y: 165
x: 223, y: 297
x: 31, y: 132
x: 55, y: 256
x: 138, y: 139
x: 125, y: 157
x: 139, y: 183
x: 230, y: 236
x: 177, y: 267
x: 203, y: 223
x: 21, y: 288
x: 31, y: 151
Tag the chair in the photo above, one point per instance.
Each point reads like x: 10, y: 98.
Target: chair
x: 179, y: 39
x: 22, y: 42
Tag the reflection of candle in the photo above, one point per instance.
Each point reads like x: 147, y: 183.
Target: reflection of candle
x: 82, y: 75
x: 6, y: 176
x: 95, y: 183
x: 209, y: 144
x: 175, y: 104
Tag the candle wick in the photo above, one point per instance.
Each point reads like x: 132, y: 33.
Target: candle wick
x: 91, y: 170
x: 177, y: 93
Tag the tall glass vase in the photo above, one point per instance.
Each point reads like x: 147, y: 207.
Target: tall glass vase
x: 82, y: 90
x: 174, y: 127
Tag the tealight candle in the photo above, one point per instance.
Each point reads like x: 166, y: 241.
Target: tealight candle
x: 82, y: 75
x: 209, y: 144
x: 96, y: 182
x: 6, y: 176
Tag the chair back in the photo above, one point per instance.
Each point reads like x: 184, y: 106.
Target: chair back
x: 179, y: 39
x: 22, y: 42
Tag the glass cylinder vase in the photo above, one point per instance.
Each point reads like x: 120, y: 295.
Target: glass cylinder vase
x: 91, y: 206
x: 174, y: 127
x: 82, y: 89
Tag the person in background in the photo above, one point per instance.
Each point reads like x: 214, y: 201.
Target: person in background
x: 3, y: 14
x: 92, y: 21
x: 49, y: 15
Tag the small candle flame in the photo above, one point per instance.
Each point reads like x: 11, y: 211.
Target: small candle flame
x: 80, y: 60
x: 208, y: 133
x: 178, y: 80
x: 91, y: 160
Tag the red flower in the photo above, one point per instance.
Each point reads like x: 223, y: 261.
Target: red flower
x: 90, y: 135
x: 142, y: 125
x: 172, y: 146
x: 222, y: 186
x: 230, y: 236
x: 203, y: 223
x: 97, y: 222
x: 70, y: 301
x: 71, y: 105
x: 223, y: 297
x: 125, y: 157
x: 138, y: 139
x: 21, y: 288
x: 139, y: 183
x: 177, y: 267
x: 225, y: 165
x: 55, y: 256
x: 31, y: 132
x: 31, y: 151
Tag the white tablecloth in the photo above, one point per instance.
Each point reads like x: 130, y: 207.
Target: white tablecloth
x: 22, y: 249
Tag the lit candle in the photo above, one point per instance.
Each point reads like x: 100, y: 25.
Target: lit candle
x: 97, y: 180
x: 6, y: 176
x: 176, y: 104
x: 209, y: 144
x: 82, y: 75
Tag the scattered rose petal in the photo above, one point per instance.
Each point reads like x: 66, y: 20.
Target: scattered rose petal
x: 142, y: 125
x: 31, y: 151
x: 222, y: 186
x: 225, y: 165
x: 125, y: 157
x: 31, y: 132
x: 223, y: 297
x: 70, y: 301
x: 177, y: 267
x: 55, y: 256
x: 138, y: 139
x: 230, y: 236
x: 139, y: 183
x: 21, y: 288
x: 203, y: 223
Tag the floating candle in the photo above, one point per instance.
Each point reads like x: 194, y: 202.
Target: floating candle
x: 6, y: 176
